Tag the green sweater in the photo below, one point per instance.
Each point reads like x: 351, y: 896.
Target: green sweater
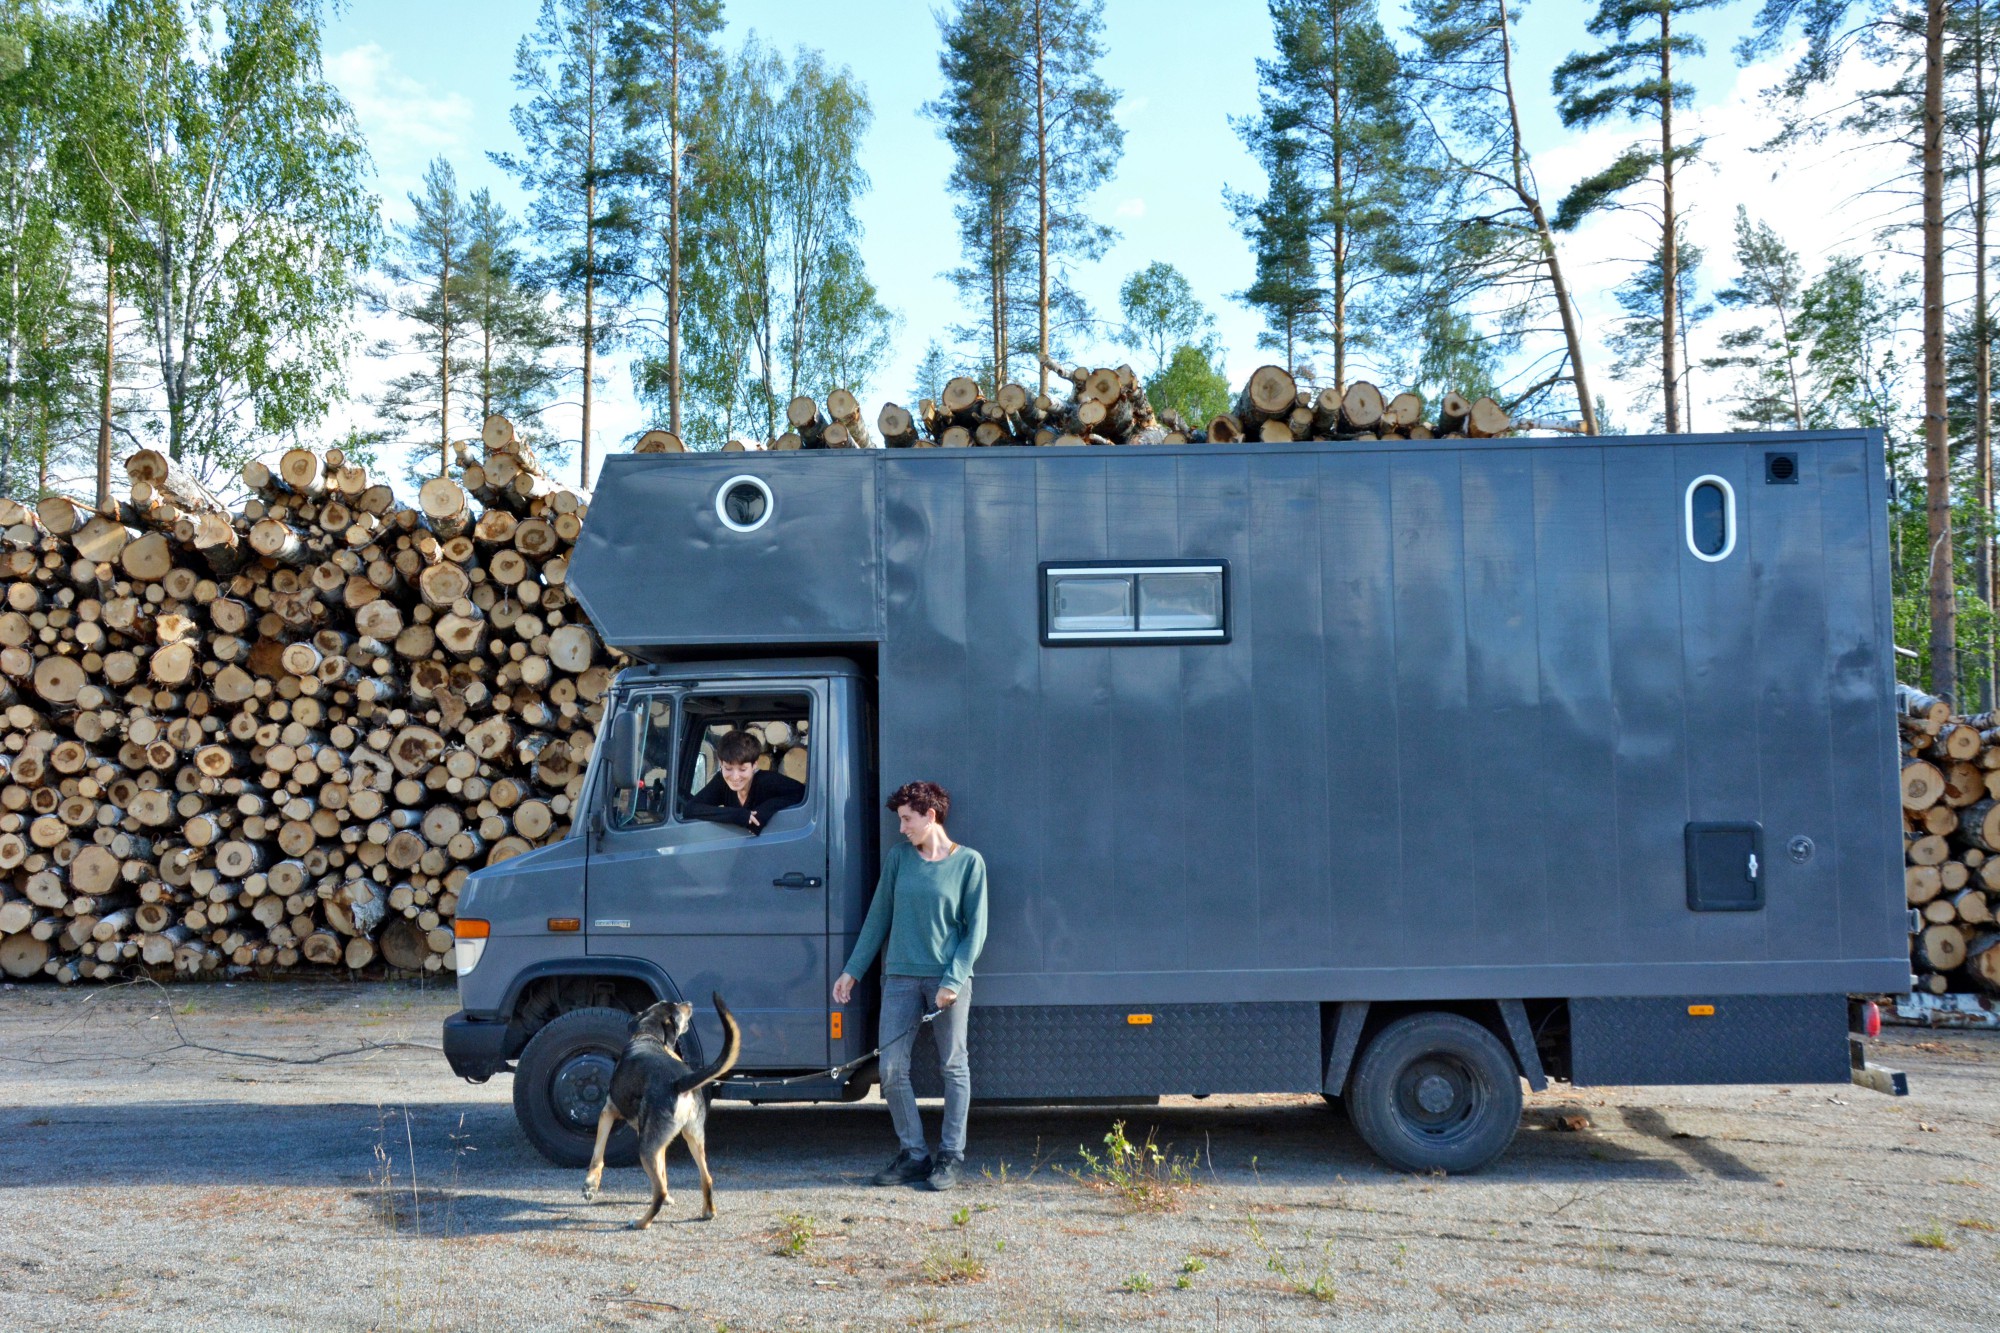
x: 933, y: 914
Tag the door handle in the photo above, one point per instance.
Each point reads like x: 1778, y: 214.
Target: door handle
x: 795, y: 880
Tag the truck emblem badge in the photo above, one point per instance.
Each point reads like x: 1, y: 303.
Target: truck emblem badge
x: 611, y: 925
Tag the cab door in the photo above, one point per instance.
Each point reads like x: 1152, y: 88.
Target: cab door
x: 722, y: 910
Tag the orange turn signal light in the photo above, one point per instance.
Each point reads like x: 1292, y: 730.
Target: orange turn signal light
x: 471, y: 928
x: 565, y: 923
x: 836, y: 1026
x: 1139, y: 1020
x: 1701, y: 1011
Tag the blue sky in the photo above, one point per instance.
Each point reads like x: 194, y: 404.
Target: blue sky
x: 429, y: 76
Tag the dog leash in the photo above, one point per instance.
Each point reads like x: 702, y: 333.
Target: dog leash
x: 838, y: 1071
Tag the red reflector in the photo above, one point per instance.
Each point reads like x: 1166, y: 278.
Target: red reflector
x: 1871, y: 1019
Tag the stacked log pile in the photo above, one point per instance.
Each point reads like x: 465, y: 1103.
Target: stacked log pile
x: 1108, y: 405
x: 283, y: 735
x: 1951, y: 840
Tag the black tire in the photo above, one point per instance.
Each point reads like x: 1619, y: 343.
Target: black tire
x: 1434, y: 1092
x: 561, y: 1082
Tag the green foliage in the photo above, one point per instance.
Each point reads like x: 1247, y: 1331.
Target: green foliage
x: 1488, y: 246
x: 1137, y: 1283
x: 1636, y: 337
x: 796, y: 1234
x: 1146, y: 1176
x: 234, y: 173
x: 425, y: 261
x: 932, y: 372
x: 1192, y: 385
x: 511, y: 327
x: 1032, y: 129
x: 1333, y: 129
x: 1767, y: 351
x: 571, y: 129
x: 1162, y: 313
x: 778, y: 301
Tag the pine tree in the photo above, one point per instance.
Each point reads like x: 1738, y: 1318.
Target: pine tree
x: 426, y: 264
x: 1033, y: 133
x: 1286, y: 290
x: 932, y: 372
x: 1637, y: 338
x: 1492, y: 246
x: 1334, y: 89
x: 511, y: 326
x: 1632, y: 76
x: 571, y: 129
x: 1766, y: 350
x: 664, y: 52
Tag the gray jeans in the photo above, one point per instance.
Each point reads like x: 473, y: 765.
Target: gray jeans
x: 905, y: 1000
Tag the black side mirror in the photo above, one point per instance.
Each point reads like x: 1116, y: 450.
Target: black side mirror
x: 622, y: 762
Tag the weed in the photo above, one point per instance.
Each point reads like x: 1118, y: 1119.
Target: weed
x: 947, y: 1266
x: 961, y: 1216
x: 1976, y: 1224
x: 1146, y: 1176
x: 1183, y: 1282
x: 1319, y: 1287
x: 1138, y: 1282
x: 1933, y: 1239
x: 1193, y: 1265
x: 795, y: 1235
x: 1402, y: 1253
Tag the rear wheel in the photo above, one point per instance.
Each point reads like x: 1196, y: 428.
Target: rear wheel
x: 561, y: 1082
x: 1435, y: 1092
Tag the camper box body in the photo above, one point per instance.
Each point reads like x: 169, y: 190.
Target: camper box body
x: 1590, y: 739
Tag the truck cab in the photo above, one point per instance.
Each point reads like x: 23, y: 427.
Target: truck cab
x: 648, y: 901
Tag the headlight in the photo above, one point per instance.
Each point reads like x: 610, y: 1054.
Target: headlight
x: 469, y: 935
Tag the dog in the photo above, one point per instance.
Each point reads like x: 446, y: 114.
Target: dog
x: 656, y: 1090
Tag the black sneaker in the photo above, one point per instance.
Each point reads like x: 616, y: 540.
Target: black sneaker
x: 908, y: 1168
x: 945, y: 1174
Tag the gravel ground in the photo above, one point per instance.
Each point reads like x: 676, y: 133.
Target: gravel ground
x: 148, y: 1187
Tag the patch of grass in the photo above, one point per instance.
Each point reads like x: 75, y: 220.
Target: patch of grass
x: 961, y: 1216
x: 1191, y: 1264
x: 1138, y: 1282
x: 795, y: 1235
x: 1149, y: 1178
x: 1976, y: 1224
x: 947, y: 1266
x: 1933, y: 1238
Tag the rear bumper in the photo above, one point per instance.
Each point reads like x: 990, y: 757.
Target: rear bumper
x: 476, y: 1047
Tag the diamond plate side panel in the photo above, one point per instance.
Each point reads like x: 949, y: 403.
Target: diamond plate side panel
x: 1094, y: 1051
x: 1749, y: 1039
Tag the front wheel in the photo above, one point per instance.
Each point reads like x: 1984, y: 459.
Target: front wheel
x: 561, y: 1082
x: 1435, y: 1091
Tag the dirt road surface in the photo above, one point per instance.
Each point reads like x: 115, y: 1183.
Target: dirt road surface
x: 147, y: 1185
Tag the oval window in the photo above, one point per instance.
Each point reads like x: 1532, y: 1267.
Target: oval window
x: 744, y: 504
x: 1711, y: 518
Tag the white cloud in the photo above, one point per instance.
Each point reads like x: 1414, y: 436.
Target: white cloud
x: 405, y: 120
x: 1131, y: 208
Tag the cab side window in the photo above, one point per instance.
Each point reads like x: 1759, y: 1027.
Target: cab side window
x: 779, y: 725
x: 647, y: 803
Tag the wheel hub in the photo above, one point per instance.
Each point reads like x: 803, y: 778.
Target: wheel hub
x: 1434, y: 1094
x: 580, y: 1086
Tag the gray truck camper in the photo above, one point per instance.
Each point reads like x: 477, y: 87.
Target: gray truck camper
x: 1400, y: 773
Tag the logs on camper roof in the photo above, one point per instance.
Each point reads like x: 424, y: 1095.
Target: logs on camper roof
x: 1108, y: 405
x: 1951, y: 841
x: 283, y: 735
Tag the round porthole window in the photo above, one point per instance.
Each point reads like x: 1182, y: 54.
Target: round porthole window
x: 744, y: 504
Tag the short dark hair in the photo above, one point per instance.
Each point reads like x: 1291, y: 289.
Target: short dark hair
x: 926, y: 798
x: 738, y: 747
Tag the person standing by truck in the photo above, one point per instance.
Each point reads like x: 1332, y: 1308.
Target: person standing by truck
x: 930, y: 908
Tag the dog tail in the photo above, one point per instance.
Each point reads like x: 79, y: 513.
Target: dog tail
x: 732, y: 1046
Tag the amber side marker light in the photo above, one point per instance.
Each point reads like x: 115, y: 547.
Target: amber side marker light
x: 470, y: 934
x: 1701, y: 1010
x: 1139, y: 1020
x: 565, y: 923
x: 835, y: 1025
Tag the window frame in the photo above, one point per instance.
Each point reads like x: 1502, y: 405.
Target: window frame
x: 687, y: 745
x: 1723, y: 485
x: 1048, y: 570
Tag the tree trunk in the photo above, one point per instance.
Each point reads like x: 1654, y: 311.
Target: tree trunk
x: 1937, y: 457
x: 1669, y: 258
x: 674, y: 229
x: 104, y: 402
x: 1982, y: 417
x: 1586, y: 406
x: 1041, y: 196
